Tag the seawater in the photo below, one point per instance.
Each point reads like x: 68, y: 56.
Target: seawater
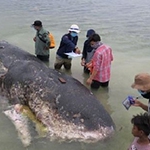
x: 122, y: 24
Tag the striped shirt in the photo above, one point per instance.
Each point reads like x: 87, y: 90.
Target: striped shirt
x: 102, y: 63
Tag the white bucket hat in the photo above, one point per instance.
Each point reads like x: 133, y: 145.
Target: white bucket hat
x: 74, y: 28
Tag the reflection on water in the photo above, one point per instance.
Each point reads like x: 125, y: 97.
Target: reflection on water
x: 103, y: 95
x: 123, y: 25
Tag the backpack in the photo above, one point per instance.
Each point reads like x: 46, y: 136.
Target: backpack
x: 52, y: 40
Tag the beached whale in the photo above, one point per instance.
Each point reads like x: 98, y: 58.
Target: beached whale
x: 68, y: 109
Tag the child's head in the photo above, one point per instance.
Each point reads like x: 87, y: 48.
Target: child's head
x: 141, y: 125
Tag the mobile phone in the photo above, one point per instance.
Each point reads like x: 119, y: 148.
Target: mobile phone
x: 128, y: 102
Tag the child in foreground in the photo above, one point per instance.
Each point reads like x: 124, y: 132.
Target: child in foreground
x: 141, y: 132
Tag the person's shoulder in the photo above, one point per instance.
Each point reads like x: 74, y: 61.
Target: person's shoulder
x: 86, y: 41
x: 106, y: 46
x: 65, y: 36
x: 43, y: 31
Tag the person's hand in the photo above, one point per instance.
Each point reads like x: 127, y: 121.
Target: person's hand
x: 89, y: 81
x: 34, y: 39
x: 89, y: 66
x: 46, y: 48
x: 77, y: 51
x: 137, y: 103
x: 83, y: 62
x: 140, y: 104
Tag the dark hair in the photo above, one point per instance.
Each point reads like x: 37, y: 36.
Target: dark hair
x: 95, y: 38
x: 142, y: 122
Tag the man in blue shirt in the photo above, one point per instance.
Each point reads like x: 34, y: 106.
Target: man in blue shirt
x: 68, y: 44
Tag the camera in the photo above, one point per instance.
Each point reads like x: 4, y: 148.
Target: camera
x: 128, y: 102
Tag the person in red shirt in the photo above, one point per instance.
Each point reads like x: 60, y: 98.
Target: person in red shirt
x: 141, y: 132
x: 100, y: 65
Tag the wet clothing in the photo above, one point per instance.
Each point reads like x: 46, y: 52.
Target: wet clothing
x: 41, y: 48
x: 43, y: 57
x: 62, y: 61
x: 96, y: 84
x: 136, y: 146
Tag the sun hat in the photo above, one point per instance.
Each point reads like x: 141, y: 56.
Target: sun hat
x: 74, y: 28
x: 37, y: 23
x: 142, y: 82
x: 90, y: 32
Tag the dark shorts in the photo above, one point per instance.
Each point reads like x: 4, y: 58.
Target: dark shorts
x: 43, y: 57
x: 96, y: 84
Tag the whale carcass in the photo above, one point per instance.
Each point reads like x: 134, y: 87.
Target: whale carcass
x: 69, y: 110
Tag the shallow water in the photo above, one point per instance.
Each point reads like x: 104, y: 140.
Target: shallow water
x: 122, y: 24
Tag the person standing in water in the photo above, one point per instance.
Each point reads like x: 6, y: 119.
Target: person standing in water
x: 68, y: 44
x: 42, y: 41
x: 100, y: 65
x: 88, y: 51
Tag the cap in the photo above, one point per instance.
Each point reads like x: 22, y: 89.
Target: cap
x: 90, y: 32
x: 37, y: 23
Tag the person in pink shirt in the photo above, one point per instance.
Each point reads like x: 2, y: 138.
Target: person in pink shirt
x: 100, y: 65
x: 141, y: 132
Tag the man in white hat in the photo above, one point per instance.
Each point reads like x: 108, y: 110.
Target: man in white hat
x: 68, y: 44
x: 142, y: 84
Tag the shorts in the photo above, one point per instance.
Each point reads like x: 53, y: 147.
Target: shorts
x: 66, y: 62
x: 43, y: 57
x: 96, y: 84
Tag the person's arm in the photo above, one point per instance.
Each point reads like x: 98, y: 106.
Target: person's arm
x: 34, y: 39
x: 96, y: 62
x: 90, y: 79
x: 140, y: 104
x: 111, y: 55
x: 84, y: 53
